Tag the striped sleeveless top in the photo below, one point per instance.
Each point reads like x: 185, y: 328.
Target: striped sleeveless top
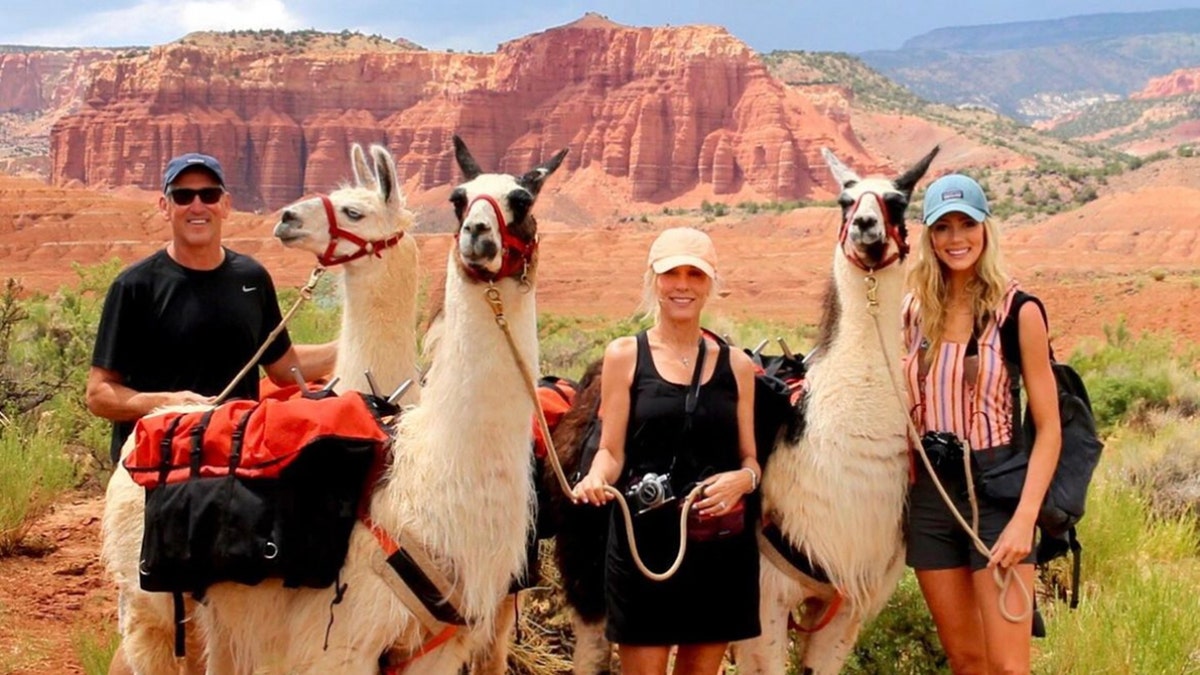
x: 979, y: 408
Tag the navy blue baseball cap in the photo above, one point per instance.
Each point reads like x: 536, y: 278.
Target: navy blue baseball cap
x: 192, y: 160
x: 955, y: 192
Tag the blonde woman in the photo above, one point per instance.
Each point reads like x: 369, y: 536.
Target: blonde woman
x: 959, y: 390
x: 650, y: 440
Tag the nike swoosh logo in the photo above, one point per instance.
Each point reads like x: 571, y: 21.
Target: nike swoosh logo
x: 247, y: 289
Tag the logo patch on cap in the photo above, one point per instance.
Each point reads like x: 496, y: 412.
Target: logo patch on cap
x: 952, y: 194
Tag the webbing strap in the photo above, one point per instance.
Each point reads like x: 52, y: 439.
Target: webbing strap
x: 393, y: 663
x: 164, y: 448
x: 423, y: 589
x: 197, y: 438
x: 801, y: 569
x: 1076, y: 568
x: 787, y: 557
x: 237, y: 439
x: 180, y: 619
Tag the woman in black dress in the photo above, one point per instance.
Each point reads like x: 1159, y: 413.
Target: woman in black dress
x: 713, y: 598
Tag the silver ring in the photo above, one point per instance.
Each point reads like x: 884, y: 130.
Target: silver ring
x: 722, y: 505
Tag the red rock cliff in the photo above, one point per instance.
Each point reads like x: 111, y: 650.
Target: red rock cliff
x: 1182, y: 81
x: 39, y: 80
x: 660, y: 113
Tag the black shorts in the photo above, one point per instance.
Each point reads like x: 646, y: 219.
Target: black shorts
x: 935, y: 539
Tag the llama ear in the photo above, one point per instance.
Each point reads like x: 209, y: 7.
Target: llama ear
x: 843, y: 174
x: 385, y: 174
x: 363, y: 175
x: 465, y: 161
x: 908, y: 180
x: 534, y: 179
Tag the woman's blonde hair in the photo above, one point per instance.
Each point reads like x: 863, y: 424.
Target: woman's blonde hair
x: 927, y: 280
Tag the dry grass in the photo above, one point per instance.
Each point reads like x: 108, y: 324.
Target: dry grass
x: 1167, y: 467
x: 543, y: 642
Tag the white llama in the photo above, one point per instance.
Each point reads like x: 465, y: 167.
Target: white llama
x: 378, y: 333
x: 459, y: 483
x: 380, y: 272
x: 836, y: 494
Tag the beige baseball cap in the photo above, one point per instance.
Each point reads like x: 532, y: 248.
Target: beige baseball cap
x: 683, y: 246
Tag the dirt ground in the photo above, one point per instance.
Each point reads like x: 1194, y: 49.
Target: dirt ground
x: 55, y: 594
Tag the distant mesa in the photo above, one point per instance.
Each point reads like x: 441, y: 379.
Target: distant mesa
x: 692, y: 111
x: 1177, y: 83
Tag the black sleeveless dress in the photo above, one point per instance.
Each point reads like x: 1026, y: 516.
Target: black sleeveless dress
x: 713, y: 597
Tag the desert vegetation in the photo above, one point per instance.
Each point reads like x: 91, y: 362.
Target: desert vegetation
x: 296, y: 41
x: 1140, y: 612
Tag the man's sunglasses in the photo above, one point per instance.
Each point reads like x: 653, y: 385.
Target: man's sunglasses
x: 184, y: 196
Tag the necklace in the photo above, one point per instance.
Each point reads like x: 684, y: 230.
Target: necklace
x: 686, y: 361
x: 683, y: 358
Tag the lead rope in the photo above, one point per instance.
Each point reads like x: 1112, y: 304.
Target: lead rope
x: 492, y: 294
x: 305, y: 294
x: 1003, y: 579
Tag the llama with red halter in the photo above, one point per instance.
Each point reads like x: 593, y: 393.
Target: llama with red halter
x: 458, y: 488
x: 833, y: 498
x: 361, y: 229
x: 456, y: 497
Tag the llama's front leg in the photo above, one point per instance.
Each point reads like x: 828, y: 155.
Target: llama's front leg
x: 219, y: 652
x: 492, y: 658
x: 829, y: 647
x: 593, y: 653
x: 767, y: 653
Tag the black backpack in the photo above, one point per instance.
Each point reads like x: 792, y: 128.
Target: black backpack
x: 1066, y: 498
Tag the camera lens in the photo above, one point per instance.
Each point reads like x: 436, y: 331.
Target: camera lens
x: 649, y: 492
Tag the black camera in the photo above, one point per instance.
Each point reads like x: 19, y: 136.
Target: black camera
x: 650, y: 492
x: 944, y: 450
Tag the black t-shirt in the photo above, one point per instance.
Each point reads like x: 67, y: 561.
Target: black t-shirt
x: 169, y: 328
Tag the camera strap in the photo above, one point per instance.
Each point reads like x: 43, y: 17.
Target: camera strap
x: 690, y: 401
x: 693, y: 395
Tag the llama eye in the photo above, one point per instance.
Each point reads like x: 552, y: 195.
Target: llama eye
x: 845, y: 201
x: 352, y: 213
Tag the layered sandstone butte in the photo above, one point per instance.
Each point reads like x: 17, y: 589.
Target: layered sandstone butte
x: 658, y: 113
x: 1182, y: 81
x: 36, y: 81
x: 37, y: 87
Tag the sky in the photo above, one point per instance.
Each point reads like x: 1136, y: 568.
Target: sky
x: 831, y: 25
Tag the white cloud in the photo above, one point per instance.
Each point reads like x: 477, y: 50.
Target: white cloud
x: 157, y: 21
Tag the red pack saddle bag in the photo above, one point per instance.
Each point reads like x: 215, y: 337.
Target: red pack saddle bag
x: 253, y: 490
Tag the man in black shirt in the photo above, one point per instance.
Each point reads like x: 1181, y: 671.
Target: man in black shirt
x: 178, y: 325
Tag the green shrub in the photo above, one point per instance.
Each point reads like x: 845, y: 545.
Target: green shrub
x: 34, y: 471
x: 567, y: 345
x: 1128, y: 377
x: 47, y: 349
x: 95, y: 648
x: 902, y: 640
x: 317, y: 320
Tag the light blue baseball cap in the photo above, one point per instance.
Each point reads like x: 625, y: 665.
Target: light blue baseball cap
x: 955, y: 192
